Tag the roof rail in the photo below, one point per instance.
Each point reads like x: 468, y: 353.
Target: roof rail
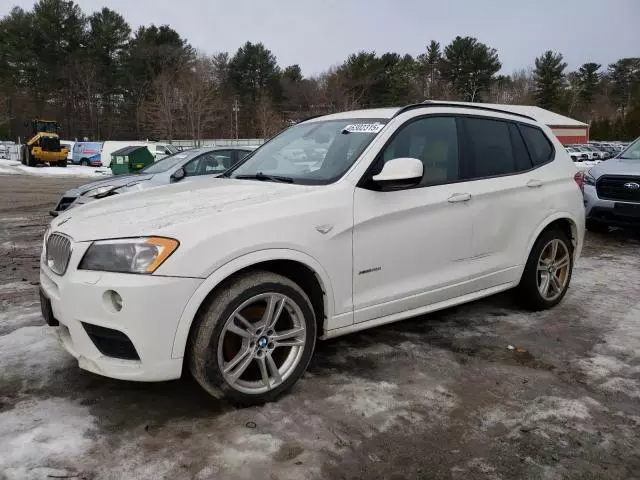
x: 432, y: 103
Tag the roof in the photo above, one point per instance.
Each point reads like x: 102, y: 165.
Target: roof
x: 541, y: 115
x: 128, y: 150
x: 368, y: 113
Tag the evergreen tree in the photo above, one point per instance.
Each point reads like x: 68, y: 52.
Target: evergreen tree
x: 549, y: 79
x: 469, y: 66
x: 589, y: 80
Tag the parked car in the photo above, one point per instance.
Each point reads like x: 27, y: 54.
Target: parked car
x: 576, y: 155
x: 411, y: 210
x: 87, y: 153
x: 158, y: 150
x: 591, y: 155
x: 612, y: 191
x: 171, y: 169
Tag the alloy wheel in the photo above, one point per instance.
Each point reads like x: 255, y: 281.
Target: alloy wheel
x: 261, y: 343
x: 553, y: 269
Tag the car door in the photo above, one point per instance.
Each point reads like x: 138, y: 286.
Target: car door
x: 409, y: 244
x: 507, y: 197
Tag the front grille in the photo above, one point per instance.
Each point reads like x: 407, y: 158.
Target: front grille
x: 64, y: 203
x: 624, y: 188
x: 58, y: 253
x: 111, y: 343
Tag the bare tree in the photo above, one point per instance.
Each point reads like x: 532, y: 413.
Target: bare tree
x: 199, y: 99
x: 161, y: 112
x: 269, y: 121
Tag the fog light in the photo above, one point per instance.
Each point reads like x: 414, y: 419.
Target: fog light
x: 113, y: 301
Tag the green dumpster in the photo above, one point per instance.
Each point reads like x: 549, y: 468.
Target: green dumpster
x: 130, y: 159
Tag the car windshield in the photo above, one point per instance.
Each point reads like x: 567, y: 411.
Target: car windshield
x: 313, y: 153
x: 169, y: 162
x: 632, y: 152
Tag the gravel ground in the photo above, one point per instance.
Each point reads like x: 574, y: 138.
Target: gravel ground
x: 439, y: 396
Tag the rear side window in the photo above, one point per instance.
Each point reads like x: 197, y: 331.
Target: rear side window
x: 491, y: 149
x: 523, y: 161
x: 539, y: 146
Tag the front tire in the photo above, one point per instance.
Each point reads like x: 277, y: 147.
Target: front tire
x: 254, y: 339
x: 84, y: 162
x: 548, y: 270
x: 62, y: 164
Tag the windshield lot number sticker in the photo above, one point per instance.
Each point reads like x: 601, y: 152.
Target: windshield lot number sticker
x: 363, y: 128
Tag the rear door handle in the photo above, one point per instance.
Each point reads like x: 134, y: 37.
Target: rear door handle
x: 459, y: 197
x: 533, y: 183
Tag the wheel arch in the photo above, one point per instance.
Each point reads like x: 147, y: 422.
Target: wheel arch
x: 567, y: 223
x: 299, y: 267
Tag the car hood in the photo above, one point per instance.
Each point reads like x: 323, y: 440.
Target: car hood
x: 161, y: 210
x: 616, y: 166
x: 116, y: 181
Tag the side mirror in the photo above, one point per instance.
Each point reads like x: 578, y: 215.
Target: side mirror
x: 178, y: 175
x: 399, y: 173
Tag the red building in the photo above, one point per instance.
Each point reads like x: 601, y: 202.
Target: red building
x: 566, y: 129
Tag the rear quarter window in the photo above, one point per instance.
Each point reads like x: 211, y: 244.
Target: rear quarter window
x: 539, y: 146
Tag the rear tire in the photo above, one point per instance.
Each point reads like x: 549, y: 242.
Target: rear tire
x: 237, y: 351
x: 84, y: 162
x: 29, y: 158
x: 23, y: 155
x: 547, y: 270
x: 597, y: 227
x: 62, y: 164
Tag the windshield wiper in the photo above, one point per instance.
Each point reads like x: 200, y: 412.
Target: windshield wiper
x: 265, y: 177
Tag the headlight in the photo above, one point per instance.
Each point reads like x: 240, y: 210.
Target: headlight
x: 588, y: 179
x: 128, y: 255
x: 100, y: 191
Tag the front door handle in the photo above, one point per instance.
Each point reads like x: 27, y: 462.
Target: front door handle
x: 459, y: 197
x: 534, y: 183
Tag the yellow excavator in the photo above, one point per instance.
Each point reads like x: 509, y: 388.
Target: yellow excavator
x: 44, y: 145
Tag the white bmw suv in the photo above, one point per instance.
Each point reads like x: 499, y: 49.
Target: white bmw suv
x: 393, y: 213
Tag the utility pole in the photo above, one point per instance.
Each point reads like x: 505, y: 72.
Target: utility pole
x: 236, y: 109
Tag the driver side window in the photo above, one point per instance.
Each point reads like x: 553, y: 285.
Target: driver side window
x: 433, y: 141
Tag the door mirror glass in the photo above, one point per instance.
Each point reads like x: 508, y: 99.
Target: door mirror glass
x: 178, y: 175
x: 400, y: 172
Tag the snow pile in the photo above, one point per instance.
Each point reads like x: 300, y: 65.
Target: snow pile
x: 11, y: 167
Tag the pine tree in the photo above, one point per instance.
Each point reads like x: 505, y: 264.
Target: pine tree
x: 589, y: 79
x: 469, y: 66
x: 549, y: 78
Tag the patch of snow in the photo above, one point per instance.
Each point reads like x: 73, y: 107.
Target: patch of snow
x: 19, y: 316
x: 550, y: 416
x: 31, y: 356
x: 614, y: 364
x: 43, y: 437
x: 15, y: 287
x: 11, y: 167
x: 368, y: 398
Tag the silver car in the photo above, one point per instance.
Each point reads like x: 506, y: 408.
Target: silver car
x: 178, y: 167
x: 612, y: 191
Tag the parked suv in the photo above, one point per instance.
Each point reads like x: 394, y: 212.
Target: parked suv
x: 410, y: 210
x: 612, y: 191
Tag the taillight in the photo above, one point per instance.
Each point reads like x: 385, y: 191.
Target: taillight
x: 579, y: 178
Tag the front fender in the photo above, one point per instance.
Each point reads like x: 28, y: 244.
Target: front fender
x: 235, y: 265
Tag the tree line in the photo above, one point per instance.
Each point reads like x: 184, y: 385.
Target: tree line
x: 102, y: 80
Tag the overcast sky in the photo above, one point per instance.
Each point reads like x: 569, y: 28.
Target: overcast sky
x: 319, y: 33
